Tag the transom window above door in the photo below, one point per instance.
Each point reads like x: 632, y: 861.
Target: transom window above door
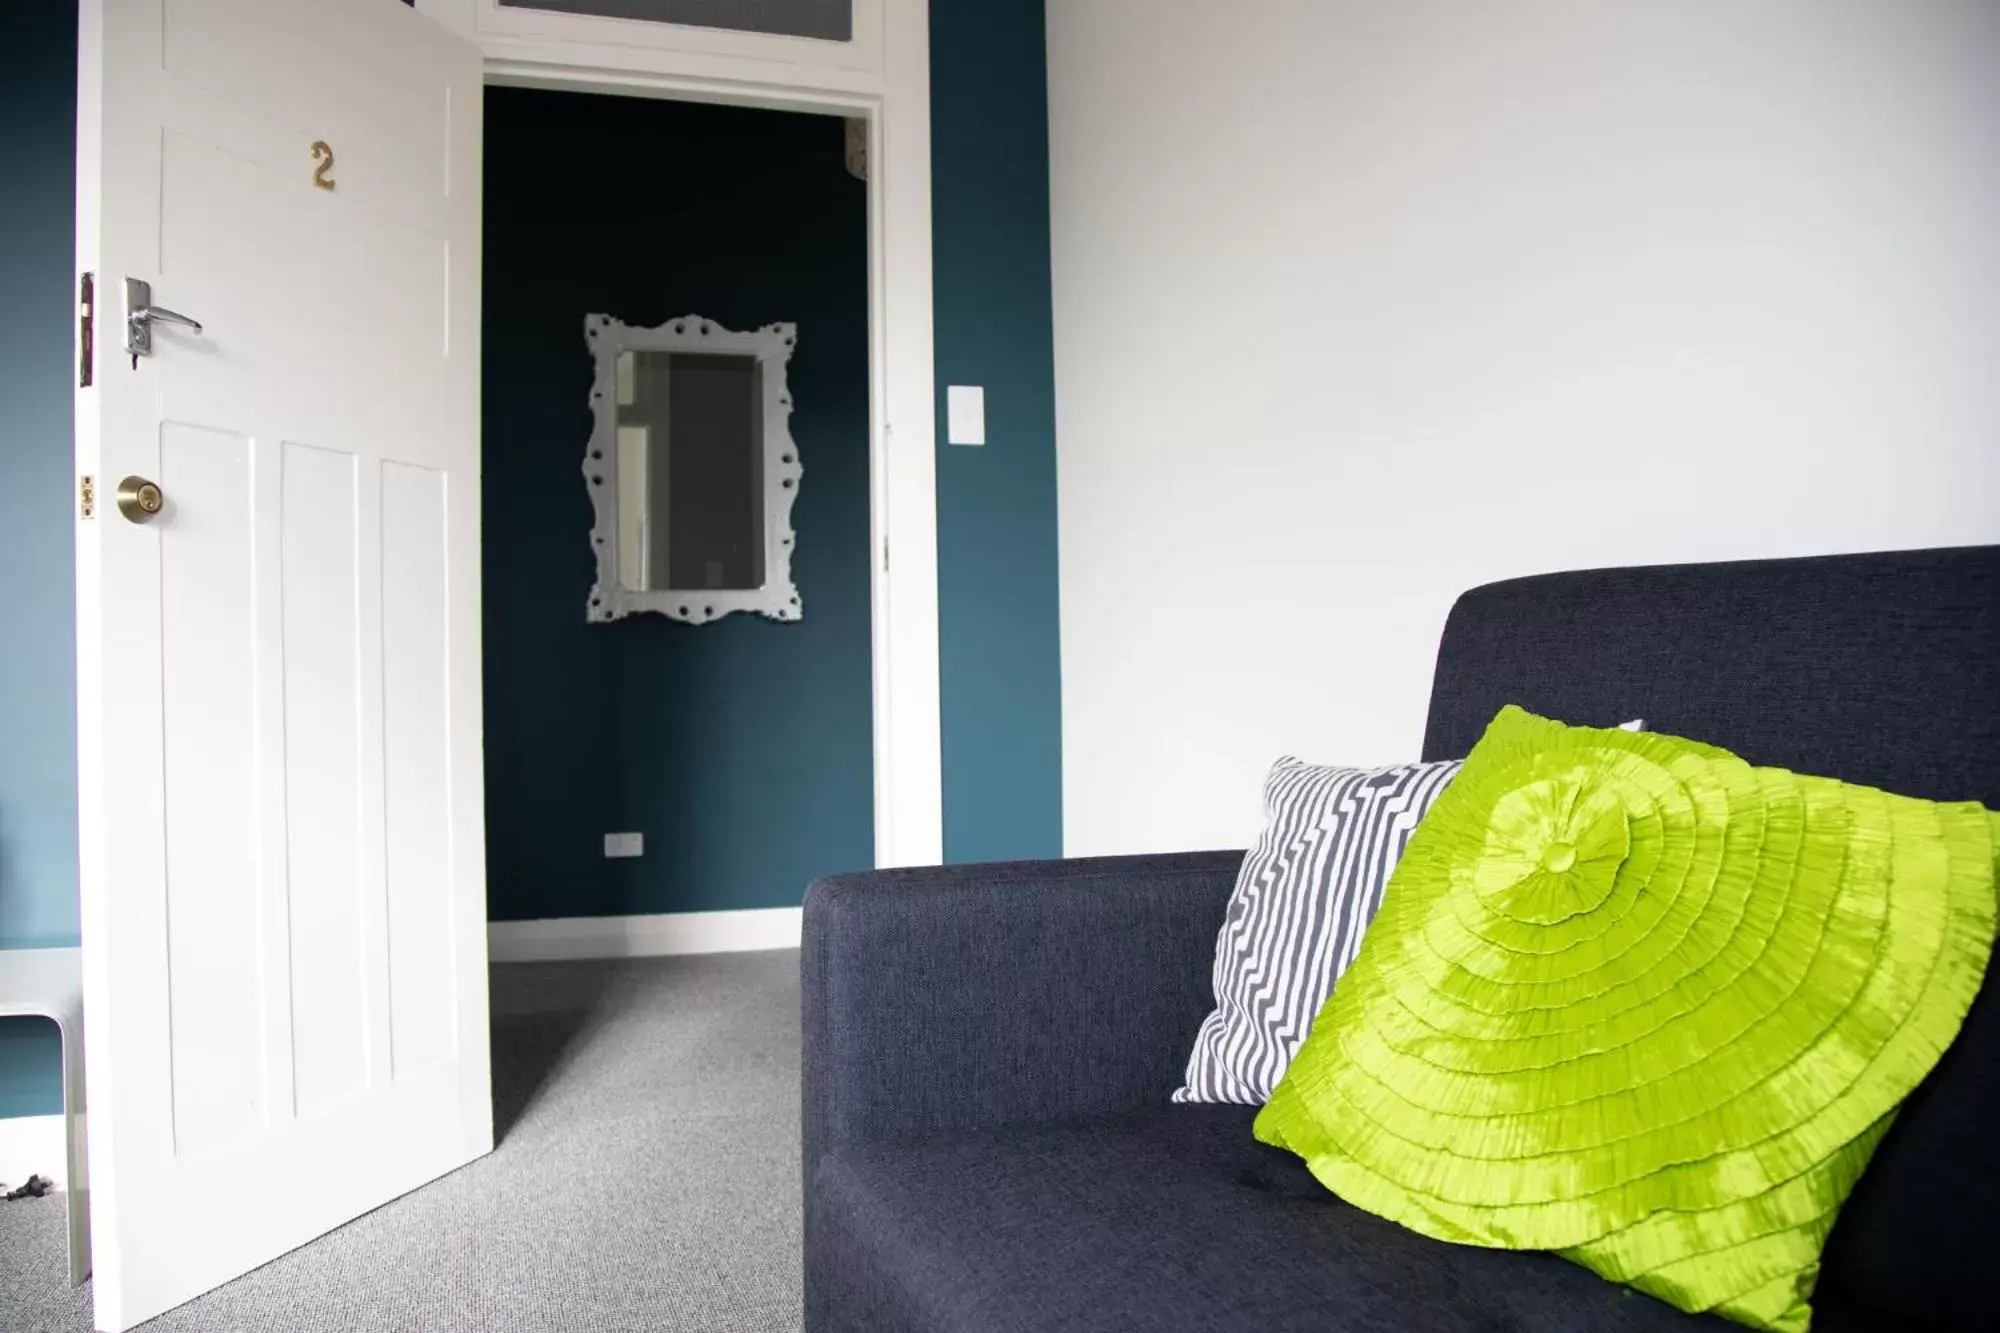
x: 830, y: 20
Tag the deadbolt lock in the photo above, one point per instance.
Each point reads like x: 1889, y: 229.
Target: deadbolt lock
x: 140, y: 500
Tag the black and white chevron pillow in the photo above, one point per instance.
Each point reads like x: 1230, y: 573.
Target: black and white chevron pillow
x: 1305, y: 894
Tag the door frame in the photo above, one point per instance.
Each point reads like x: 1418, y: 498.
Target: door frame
x: 882, y: 76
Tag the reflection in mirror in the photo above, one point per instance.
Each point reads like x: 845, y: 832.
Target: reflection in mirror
x: 692, y: 470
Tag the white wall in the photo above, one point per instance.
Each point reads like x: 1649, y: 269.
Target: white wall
x: 1363, y: 302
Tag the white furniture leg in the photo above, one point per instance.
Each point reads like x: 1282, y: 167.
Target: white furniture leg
x: 48, y: 983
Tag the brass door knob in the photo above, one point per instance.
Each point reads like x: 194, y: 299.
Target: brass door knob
x: 140, y: 500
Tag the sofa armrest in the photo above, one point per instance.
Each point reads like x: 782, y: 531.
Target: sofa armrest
x: 965, y: 998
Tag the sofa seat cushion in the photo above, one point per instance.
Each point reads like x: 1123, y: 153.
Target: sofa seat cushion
x: 1178, y: 1219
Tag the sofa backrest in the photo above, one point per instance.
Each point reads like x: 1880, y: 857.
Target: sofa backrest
x: 1881, y: 669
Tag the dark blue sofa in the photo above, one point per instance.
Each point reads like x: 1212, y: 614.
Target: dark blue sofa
x: 989, y: 1048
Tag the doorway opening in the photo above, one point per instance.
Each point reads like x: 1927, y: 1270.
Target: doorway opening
x: 649, y: 765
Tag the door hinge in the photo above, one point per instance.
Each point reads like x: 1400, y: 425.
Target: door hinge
x: 86, y: 331
x: 885, y: 555
x: 87, y: 496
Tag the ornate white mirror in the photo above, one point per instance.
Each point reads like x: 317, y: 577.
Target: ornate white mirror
x: 692, y: 470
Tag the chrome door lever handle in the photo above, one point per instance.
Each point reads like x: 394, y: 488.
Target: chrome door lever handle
x: 140, y: 316
x: 153, y: 312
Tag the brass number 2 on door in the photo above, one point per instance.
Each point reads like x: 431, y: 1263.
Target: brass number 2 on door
x: 322, y: 152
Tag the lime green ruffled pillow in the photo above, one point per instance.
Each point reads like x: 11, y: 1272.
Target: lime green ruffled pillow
x: 1633, y: 1000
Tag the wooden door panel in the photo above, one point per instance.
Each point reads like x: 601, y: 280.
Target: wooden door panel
x: 416, y: 707
x: 323, y: 782
x: 207, y: 653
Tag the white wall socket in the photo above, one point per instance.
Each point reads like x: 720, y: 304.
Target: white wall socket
x: 624, y: 844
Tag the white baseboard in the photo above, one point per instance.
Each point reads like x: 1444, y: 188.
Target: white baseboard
x: 657, y: 936
x: 32, y: 1145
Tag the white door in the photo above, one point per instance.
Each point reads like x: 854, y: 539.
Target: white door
x: 278, y: 673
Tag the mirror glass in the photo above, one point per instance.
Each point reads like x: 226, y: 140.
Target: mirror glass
x: 690, y: 471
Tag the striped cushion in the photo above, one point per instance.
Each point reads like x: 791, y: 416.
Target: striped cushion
x: 1306, y: 892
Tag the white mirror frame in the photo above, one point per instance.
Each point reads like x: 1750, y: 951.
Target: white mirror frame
x: 772, y: 345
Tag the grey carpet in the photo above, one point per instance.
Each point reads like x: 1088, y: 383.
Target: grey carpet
x: 647, y: 1177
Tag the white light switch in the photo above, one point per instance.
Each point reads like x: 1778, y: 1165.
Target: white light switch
x: 624, y: 844
x: 965, y: 414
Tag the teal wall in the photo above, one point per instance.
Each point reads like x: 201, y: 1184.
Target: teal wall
x: 37, y: 568
x: 1000, y: 658
x: 741, y: 749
